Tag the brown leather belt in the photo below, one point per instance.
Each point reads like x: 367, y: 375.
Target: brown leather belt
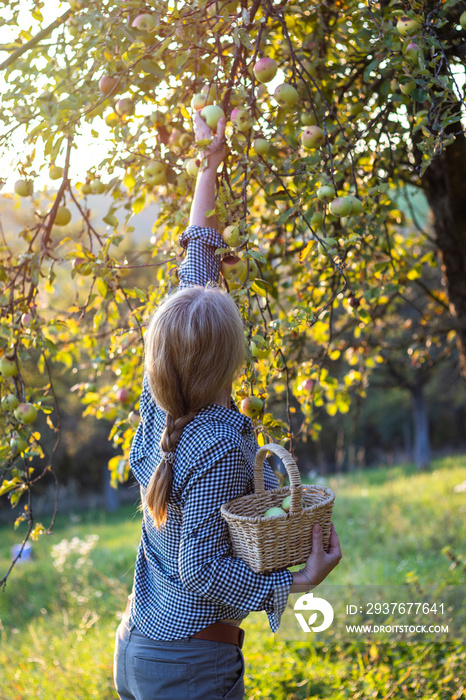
x: 222, y: 632
x: 217, y: 632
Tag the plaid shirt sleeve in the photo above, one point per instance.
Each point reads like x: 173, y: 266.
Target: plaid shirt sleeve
x: 201, y: 265
x: 206, y: 562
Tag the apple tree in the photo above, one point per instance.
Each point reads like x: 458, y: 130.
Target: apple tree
x: 332, y: 109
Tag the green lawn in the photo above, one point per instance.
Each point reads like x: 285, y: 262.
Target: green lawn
x: 396, y: 525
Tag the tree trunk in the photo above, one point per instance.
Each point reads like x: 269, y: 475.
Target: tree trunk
x: 444, y: 185
x: 421, y: 427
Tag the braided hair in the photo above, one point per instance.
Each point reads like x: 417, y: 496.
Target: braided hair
x: 194, y: 346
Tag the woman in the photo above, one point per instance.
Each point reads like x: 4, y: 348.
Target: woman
x: 193, y: 450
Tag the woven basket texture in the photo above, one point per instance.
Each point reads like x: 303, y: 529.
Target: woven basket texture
x: 277, y: 542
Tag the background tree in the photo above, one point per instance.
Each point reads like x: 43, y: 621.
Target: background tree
x: 365, y: 100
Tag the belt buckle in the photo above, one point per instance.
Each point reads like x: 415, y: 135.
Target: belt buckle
x: 241, y: 637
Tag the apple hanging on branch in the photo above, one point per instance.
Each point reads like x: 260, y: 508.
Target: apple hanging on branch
x: 241, y: 120
x: 62, y: 217
x: 312, y: 137
x: 408, y: 25
x: 252, y: 406
x: 235, y: 270
x: 155, y: 173
x: 286, y: 95
x: 24, y: 188
x: 201, y: 99
x: 125, y: 107
x: 107, y: 84
x: 8, y: 367
x: 10, y: 402
x: 265, y: 69
x: 261, y: 146
x: 192, y: 166
x: 25, y: 413
x: 145, y: 22
x: 55, y: 172
x: 232, y: 235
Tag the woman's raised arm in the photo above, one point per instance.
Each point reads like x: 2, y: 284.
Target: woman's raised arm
x: 201, y: 239
x: 204, y: 194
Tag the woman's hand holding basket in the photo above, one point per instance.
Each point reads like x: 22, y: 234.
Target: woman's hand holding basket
x: 319, y: 562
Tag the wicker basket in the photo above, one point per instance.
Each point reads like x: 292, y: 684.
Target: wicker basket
x: 277, y: 542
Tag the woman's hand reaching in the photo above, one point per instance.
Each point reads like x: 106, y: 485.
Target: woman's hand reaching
x: 216, y: 151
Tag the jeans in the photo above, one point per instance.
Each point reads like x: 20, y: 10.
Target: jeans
x: 183, y: 669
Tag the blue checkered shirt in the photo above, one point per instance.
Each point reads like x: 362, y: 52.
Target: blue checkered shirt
x: 186, y: 575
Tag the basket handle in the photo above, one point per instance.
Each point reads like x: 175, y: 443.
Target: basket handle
x: 291, y: 469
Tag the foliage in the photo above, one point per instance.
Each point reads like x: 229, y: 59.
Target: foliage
x: 326, y: 282
x: 59, y: 645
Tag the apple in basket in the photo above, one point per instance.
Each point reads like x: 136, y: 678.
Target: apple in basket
x: 286, y: 503
x: 274, y: 512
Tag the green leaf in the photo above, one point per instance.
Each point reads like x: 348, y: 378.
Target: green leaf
x: 102, y: 287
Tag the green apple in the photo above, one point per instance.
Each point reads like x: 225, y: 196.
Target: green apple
x: 145, y: 22
x: 17, y: 443
x: 10, y: 402
x: 312, y: 137
x: 273, y: 512
x: 253, y: 269
x: 317, y: 219
x: 124, y: 396
x: 356, y: 204
x: 407, y: 88
x: 286, y: 503
x: 62, y: 217
x: 260, y: 348
x: 112, y: 119
x: 211, y: 115
x: 308, y: 119
x: 261, y: 146
x: 97, y: 186
x: 8, y: 367
x: 86, y: 188
x: 201, y: 99
x: 234, y: 270
x: 326, y: 192
x: 109, y: 412
x: 411, y: 52
x: 107, y: 84
x: 25, y: 413
x: 155, y: 173
x: 341, y: 206
x: 24, y: 188
x: 125, y: 107
x: 407, y: 25
x: 241, y: 120
x: 55, y: 172
x: 252, y: 406
x: 192, y: 166
x: 463, y: 20
x: 286, y: 95
x: 265, y: 69
x: 232, y: 235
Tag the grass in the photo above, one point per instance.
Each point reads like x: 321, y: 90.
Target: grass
x: 57, y: 626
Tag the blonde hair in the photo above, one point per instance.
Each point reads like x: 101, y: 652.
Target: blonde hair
x: 194, y: 345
